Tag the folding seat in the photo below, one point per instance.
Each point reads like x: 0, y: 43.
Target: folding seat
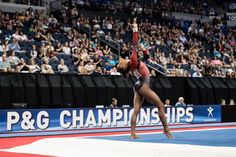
x: 60, y: 56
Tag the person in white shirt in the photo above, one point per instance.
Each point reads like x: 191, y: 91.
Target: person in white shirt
x: 62, y: 68
x: 5, y: 64
x: 167, y: 103
x: 163, y: 59
x: 114, y: 71
x: 33, y: 52
x: 52, y: 19
x: 33, y: 68
x: 13, y: 59
x: 231, y: 101
x: 46, y: 68
x: 23, y: 36
x: 66, y: 49
x: 20, y: 36
x: 109, y: 26
x: 16, y: 35
x: 180, y: 102
x: 5, y: 46
x: 197, y: 73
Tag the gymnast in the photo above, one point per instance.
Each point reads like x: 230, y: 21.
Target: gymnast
x: 141, y: 88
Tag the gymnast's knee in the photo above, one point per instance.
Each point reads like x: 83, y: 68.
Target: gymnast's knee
x: 136, y: 111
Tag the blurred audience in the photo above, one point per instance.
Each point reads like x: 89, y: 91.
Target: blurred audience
x: 184, y: 48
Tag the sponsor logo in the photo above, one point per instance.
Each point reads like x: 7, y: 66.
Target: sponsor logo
x: 210, y: 112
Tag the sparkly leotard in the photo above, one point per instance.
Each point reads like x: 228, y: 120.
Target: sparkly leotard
x: 139, y: 68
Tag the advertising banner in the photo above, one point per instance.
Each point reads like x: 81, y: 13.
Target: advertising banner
x: 231, y: 19
x: 65, y: 119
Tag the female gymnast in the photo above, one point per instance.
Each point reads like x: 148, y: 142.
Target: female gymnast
x: 141, y: 88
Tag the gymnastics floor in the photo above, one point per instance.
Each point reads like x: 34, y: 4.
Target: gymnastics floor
x: 201, y: 140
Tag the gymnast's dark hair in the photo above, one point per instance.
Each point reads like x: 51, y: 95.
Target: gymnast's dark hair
x: 124, y: 72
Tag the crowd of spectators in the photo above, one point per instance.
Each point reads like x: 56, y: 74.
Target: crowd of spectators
x: 186, y: 48
x: 147, y: 8
x: 34, y: 42
x: 26, y: 2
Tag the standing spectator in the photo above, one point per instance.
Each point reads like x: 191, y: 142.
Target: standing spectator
x: 180, y: 102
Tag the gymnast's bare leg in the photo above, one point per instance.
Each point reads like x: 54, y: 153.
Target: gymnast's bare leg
x: 153, y: 98
x: 138, y: 101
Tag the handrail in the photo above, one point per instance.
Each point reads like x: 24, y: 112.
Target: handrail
x: 150, y: 65
x: 103, y: 40
x: 51, y: 5
x: 89, y: 31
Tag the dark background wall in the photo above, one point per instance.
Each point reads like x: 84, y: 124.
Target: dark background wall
x: 228, y: 113
x: 53, y: 91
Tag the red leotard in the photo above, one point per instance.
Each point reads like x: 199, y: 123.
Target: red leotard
x: 140, y: 69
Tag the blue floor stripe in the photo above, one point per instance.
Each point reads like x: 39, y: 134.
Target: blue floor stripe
x: 224, y: 137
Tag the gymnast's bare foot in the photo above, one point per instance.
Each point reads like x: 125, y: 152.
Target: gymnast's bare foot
x: 168, y: 134
x: 133, y: 136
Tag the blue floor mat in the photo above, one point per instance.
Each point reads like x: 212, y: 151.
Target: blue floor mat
x: 224, y: 138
